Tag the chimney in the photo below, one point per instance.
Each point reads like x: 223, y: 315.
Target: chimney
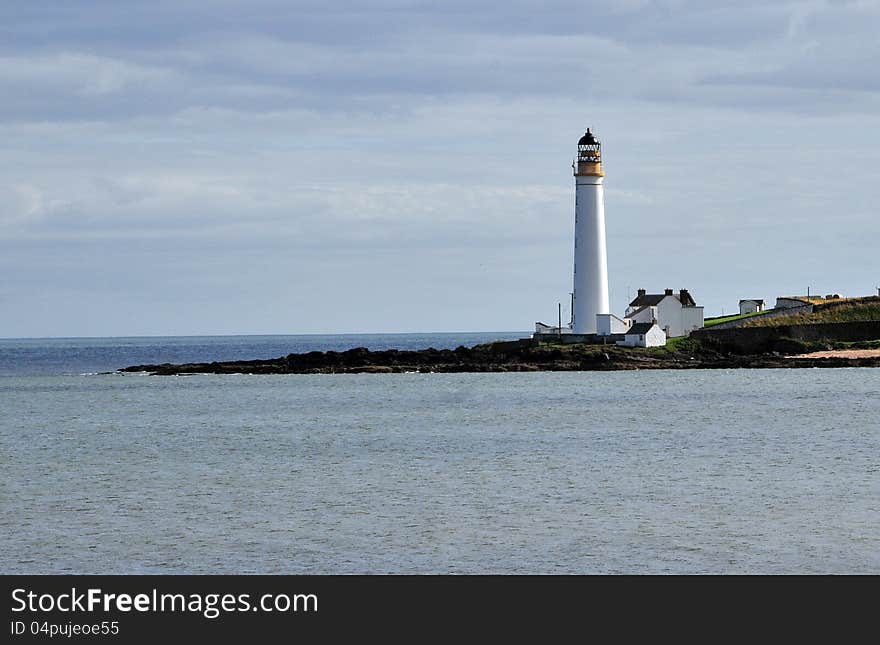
x: 668, y: 292
x: 642, y: 292
x: 684, y: 296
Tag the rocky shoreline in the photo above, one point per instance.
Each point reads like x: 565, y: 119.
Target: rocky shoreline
x: 510, y: 356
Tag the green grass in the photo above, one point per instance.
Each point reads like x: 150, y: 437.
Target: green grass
x: 678, y: 344
x: 682, y: 344
x: 709, y: 322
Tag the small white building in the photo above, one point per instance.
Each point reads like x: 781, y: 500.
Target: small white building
x: 750, y: 305
x: 677, y: 314
x: 542, y: 328
x: 608, y: 324
x: 790, y: 302
x: 644, y: 335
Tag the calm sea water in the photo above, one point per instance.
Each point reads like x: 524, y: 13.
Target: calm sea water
x: 75, y: 356
x: 773, y: 471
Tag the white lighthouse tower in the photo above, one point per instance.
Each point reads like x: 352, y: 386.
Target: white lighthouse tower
x: 590, y: 295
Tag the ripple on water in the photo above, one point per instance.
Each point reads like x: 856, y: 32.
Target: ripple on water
x: 628, y: 472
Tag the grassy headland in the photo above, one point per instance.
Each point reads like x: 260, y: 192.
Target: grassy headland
x: 853, y: 310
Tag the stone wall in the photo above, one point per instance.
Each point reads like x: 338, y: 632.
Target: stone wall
x: 571, y: 339
x: 758, y: 340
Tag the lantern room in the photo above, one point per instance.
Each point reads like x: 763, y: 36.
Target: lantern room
x: 589, y: 158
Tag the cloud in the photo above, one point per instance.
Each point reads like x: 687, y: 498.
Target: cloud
x: 80, y: 74
x: 275, y: 139
x: 21, y: 203
x: 158, y: 60
x: 166, y: 205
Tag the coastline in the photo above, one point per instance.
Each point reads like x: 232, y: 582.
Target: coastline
x: 506, y: 356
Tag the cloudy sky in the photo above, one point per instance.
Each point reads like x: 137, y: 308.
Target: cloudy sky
x: 211, y: 167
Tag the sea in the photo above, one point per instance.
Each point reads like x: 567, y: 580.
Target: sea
x: 633, y: 472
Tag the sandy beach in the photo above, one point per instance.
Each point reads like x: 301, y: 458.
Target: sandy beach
x: 841, y: 353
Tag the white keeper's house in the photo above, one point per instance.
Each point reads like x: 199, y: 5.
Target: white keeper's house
x: 677, y: 314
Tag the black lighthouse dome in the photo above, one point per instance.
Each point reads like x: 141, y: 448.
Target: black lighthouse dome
x: 589, y: 148
x: 589, y: 139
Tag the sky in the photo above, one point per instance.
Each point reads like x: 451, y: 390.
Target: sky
x: 190, y: 167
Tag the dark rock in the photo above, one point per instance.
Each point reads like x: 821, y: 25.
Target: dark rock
x: 519, y: 356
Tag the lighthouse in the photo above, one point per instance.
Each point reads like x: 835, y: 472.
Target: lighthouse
x: 590, y: 295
